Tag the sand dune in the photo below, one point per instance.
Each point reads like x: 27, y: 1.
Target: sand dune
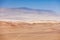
x: 27, y: 31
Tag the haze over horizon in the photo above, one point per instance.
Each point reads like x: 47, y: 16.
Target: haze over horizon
x: 30, y: 9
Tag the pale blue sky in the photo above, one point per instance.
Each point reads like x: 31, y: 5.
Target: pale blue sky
x: 35, y: 4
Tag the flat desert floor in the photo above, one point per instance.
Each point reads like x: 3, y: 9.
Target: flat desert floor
x: 28, y: 31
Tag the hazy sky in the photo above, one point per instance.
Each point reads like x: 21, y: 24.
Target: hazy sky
x: 35, y: 4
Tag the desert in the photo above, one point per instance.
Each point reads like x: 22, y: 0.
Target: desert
x: 29, y: 19
x: 29, y: 31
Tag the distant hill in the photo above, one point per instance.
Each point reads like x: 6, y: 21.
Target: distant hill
x: 27, y: 14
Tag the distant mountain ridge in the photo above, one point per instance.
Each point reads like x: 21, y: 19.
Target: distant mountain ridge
x: 30, y: 9
x: 27, y: 14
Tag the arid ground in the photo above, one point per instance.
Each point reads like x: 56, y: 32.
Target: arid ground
x: 29, y: 31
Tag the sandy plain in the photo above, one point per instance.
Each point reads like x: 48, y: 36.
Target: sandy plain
x: 28, y: 31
